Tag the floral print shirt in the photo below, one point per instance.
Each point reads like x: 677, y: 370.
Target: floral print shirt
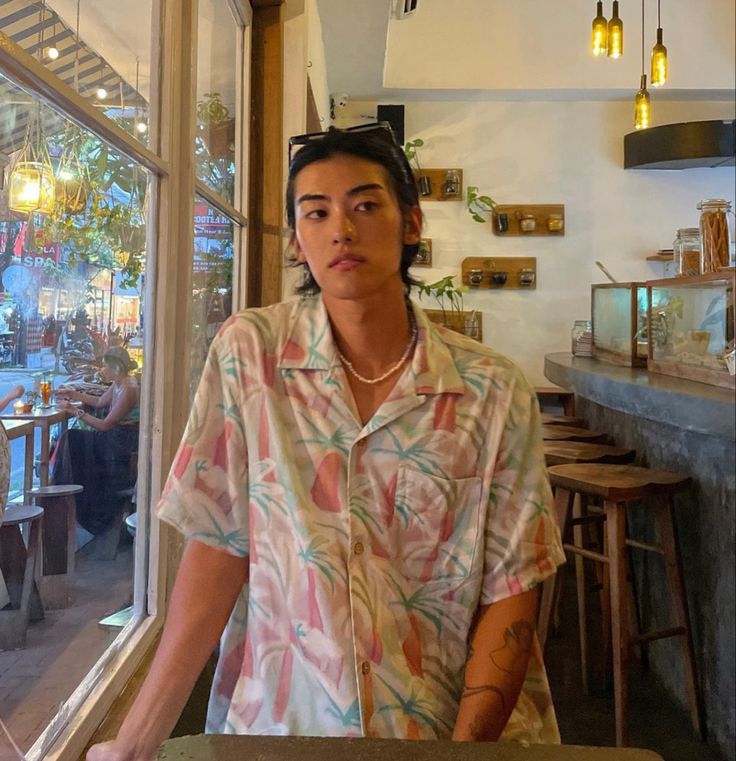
x: 370, y: 547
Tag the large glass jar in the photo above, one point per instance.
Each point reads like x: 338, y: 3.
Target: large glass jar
x: 715, y: 237
x: 686, y: 250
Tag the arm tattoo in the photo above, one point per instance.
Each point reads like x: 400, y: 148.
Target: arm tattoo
x: 518, y: 639
x: 517, y: 644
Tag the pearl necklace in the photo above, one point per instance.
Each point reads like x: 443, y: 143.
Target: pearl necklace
x: 372, y: 381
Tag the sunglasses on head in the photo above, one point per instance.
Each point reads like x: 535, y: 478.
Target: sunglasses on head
x: 380, y: 129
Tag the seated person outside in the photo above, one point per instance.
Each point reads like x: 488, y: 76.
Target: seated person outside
x: 98, y: 457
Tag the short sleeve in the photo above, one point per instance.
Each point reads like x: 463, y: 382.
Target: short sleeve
x: 206, y: 493
x: 522, y: 538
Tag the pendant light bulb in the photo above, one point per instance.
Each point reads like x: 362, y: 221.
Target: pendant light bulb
x: 600, y: 31
x: 52, y: 53
x: 101, y: 93
x: 659, y: 62
x: 615, y: 34
x: 642, y: 106
x: 141, y: 128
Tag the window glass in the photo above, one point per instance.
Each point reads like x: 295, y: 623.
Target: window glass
x: 218, y: 61
x: 73, y: 233
x: 212, y: 280
x: 99, y: 48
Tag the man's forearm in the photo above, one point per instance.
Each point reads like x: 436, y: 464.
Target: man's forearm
x: 205, y: 592
x: 496, y: 667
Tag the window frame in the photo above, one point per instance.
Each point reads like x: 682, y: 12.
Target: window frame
x: 167, y: 306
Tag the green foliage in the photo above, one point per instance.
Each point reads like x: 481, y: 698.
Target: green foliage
x: 107, y: 233
x: 211, y: 109
x: 410, y: 151
x: 445, y: 289
x: 479, y: 206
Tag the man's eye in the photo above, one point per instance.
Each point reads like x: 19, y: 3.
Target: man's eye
x: 315, y: 214
x: 366, y: 205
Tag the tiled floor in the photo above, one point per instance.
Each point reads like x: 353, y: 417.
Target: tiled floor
x: 655, y: 721
x: 62, y: 648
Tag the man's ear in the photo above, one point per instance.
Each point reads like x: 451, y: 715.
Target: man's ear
x: 296, y: 248
x: 412, y: 226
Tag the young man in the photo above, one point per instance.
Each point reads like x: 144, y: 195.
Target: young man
x: 364, y: 496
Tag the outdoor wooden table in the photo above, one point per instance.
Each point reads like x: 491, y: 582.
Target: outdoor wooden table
x: 226, y: 747
x: 43, y: 418
x: 16, y: 428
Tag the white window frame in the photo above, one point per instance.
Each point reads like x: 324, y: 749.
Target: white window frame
x: 164, y: 405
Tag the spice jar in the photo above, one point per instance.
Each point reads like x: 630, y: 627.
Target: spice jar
x: 686, y: 252
x: 715, y: 244
x: 527, y: 223
x: 555, y: 223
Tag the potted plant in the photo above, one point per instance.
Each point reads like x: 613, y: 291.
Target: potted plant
x: 480, y: 207
x: 410, y: 151
x: 216, y: 127
x: 450, y: 300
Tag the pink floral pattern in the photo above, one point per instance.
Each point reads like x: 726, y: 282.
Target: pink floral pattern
x: 370, y: 546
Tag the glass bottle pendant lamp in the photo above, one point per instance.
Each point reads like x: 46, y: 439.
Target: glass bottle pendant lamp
x: 659, y: 55
x: 615, y: 34
x: 599, y: 40
x: 642, y: 105
x: 659, y: 62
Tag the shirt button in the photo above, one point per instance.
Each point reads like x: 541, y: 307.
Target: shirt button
x: 365, y: 667
x: 358, y: 548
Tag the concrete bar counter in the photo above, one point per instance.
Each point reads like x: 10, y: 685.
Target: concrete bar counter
x: 688, y: 428
x: 260, y: 748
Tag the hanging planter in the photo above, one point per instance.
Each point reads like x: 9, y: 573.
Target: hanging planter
x: 72, y: 177
x: 32, y: 183
x: 216, y: 126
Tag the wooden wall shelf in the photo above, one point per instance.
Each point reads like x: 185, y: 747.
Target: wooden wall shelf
x: 437, y: 179
x: 517, y: 268
x: 509, y: 226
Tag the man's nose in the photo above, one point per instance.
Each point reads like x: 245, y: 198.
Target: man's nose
x: 344, y: 230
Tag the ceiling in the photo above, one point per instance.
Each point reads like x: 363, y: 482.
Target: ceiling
x: 35, y: 27
x: 355, y: 59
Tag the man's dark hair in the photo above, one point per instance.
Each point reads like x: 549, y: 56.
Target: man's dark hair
x: 378, y: 146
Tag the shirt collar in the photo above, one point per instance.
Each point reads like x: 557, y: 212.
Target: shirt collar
x: 309, y: 345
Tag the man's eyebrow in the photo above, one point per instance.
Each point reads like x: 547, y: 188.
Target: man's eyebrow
x: 311, y: 197
x: 352, y: 192
x: 367, y: 186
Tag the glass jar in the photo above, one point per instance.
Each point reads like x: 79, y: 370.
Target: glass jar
x: 686, y: 252
x: 582, y: 338
x: 715, y: 237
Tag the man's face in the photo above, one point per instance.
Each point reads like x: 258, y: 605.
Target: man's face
x: 349, y: 227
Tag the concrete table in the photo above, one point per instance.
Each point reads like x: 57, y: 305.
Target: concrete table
x: 260, y: 748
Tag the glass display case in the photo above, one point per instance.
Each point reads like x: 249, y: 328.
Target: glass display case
x: 619, y: 313
x: 692, y: 328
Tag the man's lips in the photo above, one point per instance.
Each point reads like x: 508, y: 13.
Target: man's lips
x: 346, y: 262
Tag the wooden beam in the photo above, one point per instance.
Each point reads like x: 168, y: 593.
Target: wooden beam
x: 265, y: 250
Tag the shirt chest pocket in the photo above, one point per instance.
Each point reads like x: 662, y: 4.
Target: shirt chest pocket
x: 435, y: 532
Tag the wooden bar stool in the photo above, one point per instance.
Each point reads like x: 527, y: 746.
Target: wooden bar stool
x: 618, y: 486
x: 571, y: 452
x: 572, y: 433
x: 59, y: 543
x: 18, y: 564
x: 556, y: 395
x: 577, y: 422
x: 567, y: 453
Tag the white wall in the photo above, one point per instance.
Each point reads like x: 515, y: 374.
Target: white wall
x: 317, y: 67
x: 533, y: 45
x: 570, y: 153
